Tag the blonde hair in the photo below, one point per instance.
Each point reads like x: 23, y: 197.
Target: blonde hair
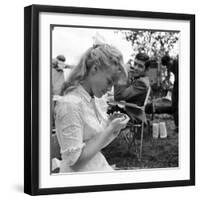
x: 103, y: 56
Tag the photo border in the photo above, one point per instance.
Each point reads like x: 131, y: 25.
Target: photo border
x: 31, y: 98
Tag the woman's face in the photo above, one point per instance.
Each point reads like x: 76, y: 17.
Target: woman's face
x: 101, y: 82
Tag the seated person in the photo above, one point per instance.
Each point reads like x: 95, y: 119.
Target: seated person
x: 172, y: 66
x: 81, y: 130
x: 136, y: 88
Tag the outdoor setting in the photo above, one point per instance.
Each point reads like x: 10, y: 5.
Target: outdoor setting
x: 145, y: 94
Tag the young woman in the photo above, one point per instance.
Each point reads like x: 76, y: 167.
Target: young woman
x: 81, y: 129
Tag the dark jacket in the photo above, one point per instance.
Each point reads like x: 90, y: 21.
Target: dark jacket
x: 133, y: 92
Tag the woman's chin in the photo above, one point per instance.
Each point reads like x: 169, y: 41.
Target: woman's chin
x: 99, y: 94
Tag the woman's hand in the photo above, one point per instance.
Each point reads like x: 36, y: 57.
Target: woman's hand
x: 118, y: 121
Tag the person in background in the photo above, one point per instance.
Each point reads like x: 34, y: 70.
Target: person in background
x: 135, y: 89
x: 172, y: 66
x: 58, y: 65
x: 80, y: 128
x: 58, y: 78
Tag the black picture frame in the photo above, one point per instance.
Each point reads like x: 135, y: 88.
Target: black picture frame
x: 31, y: 98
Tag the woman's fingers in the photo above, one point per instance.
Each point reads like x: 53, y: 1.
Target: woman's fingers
x: 120, y: 122
x: 124, y: 123
x: 127, y: 118
x: 117, y: 120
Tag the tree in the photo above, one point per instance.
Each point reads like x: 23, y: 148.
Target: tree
x: 156, y: 44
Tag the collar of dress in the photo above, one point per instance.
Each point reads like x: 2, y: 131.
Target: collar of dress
x: 84, y: 93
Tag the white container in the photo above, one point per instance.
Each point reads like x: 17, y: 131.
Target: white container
x: 163, y: 130
x: 155, y: 130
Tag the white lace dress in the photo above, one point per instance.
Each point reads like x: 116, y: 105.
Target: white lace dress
x: 78, y: 119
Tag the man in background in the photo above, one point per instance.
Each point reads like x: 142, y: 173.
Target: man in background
x: 136, y: 88
x: 172, y: 66
x: 58, y: 65
x: 58, y: 78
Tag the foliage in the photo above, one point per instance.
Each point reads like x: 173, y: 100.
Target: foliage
x: 154, y: 43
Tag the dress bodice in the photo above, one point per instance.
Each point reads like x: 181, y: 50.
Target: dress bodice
x: 78, y: 119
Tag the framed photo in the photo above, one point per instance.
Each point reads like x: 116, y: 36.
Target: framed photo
x: 71, y: 144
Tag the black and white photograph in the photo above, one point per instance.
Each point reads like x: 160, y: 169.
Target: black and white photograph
x: 114, y: 99
x: 109, y: 100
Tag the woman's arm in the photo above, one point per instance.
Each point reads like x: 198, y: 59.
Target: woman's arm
x: 92, y: 147
x: 70, y: 126
x: 99, y: 141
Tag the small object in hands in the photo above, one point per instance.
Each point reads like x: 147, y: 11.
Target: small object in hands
x: 118, y: 115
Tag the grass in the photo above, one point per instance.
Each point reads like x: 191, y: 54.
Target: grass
x: 156, y: 153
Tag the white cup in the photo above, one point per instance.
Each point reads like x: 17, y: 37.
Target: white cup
x: 155, y: 130
x: 163, y: 130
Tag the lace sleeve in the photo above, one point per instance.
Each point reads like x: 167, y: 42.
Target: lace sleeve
x: 69, y: 129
